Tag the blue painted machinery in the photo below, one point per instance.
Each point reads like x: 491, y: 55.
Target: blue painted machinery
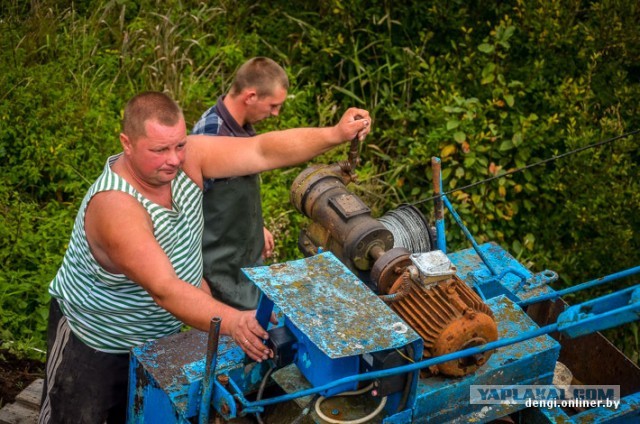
x: 379, y: 310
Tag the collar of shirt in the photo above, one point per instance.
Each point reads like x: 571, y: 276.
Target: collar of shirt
x: 229, y: 125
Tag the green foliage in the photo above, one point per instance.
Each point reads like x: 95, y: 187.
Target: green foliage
x: 487, y: 88
x: 33, y: 240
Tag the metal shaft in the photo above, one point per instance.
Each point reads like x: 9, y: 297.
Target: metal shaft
x: 209, y: 375
x: 353, y: 151
x: 441, y: 242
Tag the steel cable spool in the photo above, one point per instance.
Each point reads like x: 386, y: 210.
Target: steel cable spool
x: 409, y: 228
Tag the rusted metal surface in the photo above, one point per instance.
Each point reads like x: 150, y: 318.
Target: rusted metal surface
x: 389, y: 267
x: 449, y: 317
x: 530, y: 362
x: 312, y: 182
x: 438, y: 206
x: 158, y: 384
x: 210, y: 368
x: 175, y: 366
x: 342, y: 223
x: 441, y: 239
x: 353, y: 152
x: 326, y: 302
x: 399, y: 290
x: 341, y: 408
x: 164, y: 359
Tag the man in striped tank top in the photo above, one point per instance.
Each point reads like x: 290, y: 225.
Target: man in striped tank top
x: 132, y: 272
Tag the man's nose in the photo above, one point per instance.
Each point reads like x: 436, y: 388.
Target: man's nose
x: 173, y: 158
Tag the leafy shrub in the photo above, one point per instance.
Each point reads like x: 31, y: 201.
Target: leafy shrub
x: 487, y: 88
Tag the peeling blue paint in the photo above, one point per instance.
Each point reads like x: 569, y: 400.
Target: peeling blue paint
x: 331, y: 306
x: 327, y: 302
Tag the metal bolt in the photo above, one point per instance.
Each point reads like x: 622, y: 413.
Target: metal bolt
x: 335, y: 411
x: 223, y: 379
x: 224, y: 408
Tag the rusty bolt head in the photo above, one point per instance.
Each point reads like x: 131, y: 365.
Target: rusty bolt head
x: 470, y: 313
x: 223, y: 379
x: 224, y: 408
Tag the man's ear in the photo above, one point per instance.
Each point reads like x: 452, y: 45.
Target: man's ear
x: 126, y: 143
x: 250, y: 96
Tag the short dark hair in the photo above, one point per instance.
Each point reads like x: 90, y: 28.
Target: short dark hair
x: 150, y: 105
x: 262, y: 73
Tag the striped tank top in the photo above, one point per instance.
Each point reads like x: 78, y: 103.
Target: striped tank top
x: 109, y: 312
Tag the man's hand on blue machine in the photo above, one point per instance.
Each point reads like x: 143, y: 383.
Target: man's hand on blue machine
x: 250, y: 336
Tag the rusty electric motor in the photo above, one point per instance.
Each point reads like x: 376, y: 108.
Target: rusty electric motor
x: 421, y: 287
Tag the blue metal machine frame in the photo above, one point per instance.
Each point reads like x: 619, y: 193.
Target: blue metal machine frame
x: 336, y: 321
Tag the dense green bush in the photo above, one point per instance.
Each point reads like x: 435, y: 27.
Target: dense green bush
x: 488, y: 88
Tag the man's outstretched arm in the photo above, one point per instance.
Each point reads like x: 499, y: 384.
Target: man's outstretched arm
x: 227, y: 157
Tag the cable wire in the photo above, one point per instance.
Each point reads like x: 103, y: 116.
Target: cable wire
x: 513, y: 171
x: 263, y: 384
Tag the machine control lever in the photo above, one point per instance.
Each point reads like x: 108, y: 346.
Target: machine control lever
x: 353, y: 152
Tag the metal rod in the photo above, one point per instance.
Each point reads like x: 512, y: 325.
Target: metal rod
x: 602, y: 318
x: 353, y: 151
x: 527, y: 335
x: 441, y: 240
x: 402, y: 369
x: 376, y: 251
x: 466, y: 232
x: 587, y: 285
x: 209, y: 375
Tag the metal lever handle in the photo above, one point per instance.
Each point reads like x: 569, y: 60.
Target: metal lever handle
x: 353, y: 151
x: 210, y: 370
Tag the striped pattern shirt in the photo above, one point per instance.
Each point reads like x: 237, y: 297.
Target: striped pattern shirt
x: 109, y: 312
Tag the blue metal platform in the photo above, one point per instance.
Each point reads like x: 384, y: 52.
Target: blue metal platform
x: 329, y: 305
x: 337, y: 315
x: 444, y: 400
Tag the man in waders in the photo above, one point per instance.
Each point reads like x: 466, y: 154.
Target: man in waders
x: 234, y: 234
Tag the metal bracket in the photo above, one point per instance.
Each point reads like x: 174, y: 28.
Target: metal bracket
x: 602, y: 313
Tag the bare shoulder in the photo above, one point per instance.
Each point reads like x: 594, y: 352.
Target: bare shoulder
x: 116, y: 224
x: 113, y: 203
x: 192, y: 165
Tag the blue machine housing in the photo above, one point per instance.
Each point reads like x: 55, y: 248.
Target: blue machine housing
x: 334, y: 317
x: 166, y: 375
x: 342, y: 330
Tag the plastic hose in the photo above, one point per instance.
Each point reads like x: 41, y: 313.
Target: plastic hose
x: 322, y: 416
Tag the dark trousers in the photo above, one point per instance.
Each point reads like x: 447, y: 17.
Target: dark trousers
x: 82, y: 385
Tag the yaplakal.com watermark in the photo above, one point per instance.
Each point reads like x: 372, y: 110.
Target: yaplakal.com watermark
x: 546, y: 396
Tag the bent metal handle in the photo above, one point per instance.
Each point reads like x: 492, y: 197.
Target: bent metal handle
x: 353, y: 151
